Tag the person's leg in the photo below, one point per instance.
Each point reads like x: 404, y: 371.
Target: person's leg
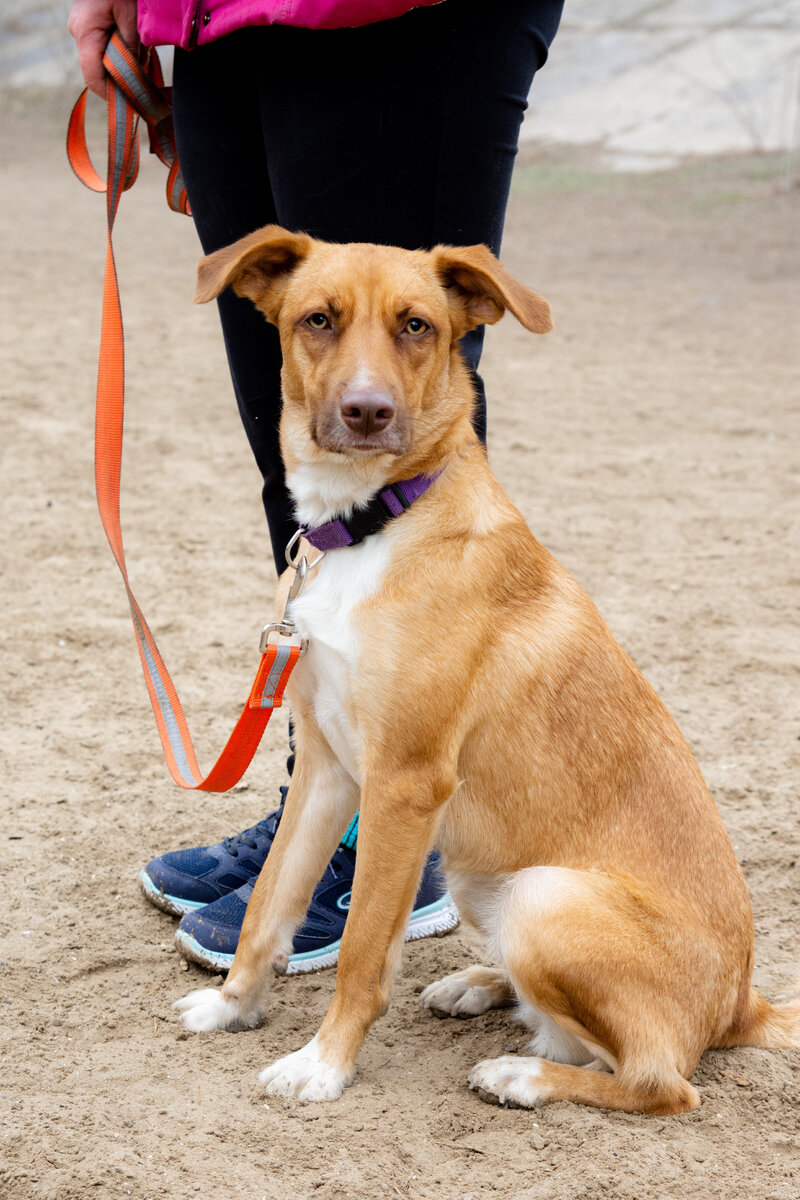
x: 217, y: 116
x: 220, y: 146
x: 403, y: 132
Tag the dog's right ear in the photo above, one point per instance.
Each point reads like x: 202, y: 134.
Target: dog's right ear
x: 257, y: 266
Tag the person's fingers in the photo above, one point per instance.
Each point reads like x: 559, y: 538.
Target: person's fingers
x: 91, y: 48
x: 125, y: 17
x: 90, y: 23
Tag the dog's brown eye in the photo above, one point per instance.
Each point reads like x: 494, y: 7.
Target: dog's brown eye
x: 417, y: 326
x: 318, y: 321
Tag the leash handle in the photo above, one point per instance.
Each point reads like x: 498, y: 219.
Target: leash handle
x: 136, y: 90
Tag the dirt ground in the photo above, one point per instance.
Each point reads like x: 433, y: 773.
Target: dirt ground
x: 651, y: 441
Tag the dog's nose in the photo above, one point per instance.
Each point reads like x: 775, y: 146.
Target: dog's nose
x: 367, y: 412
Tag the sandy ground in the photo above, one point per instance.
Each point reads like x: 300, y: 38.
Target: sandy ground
x: 649, y: 441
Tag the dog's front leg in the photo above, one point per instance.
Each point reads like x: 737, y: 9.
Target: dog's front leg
x: 322, y: 799
x: 397, y: 826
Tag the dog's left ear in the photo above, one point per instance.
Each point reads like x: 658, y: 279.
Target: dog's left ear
x: 481, y: 289
x: 257, y: 266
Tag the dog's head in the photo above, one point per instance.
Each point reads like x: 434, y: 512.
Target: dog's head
x: 368, y: 333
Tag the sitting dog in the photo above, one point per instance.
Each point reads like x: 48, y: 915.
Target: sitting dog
x: 461, y: 690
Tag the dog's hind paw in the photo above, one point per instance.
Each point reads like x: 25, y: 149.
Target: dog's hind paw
x: 207, y: 1009
x: 455, y: 996
x: 510, y: 1081
x: 304, y: 1076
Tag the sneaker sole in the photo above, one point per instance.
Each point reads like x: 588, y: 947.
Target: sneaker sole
x: 176, y: 906
x: 435, y: 920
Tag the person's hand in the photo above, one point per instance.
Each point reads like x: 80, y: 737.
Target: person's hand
x: 90, y: 23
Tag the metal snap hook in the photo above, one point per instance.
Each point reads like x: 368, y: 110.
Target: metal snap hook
x: 301, y: 566
x: 299, y: 581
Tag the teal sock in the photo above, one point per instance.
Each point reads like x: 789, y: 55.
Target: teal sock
x: 350, y: 837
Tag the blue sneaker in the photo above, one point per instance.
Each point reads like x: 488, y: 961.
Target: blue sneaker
x: 184, y: 880
x: 209, y: 937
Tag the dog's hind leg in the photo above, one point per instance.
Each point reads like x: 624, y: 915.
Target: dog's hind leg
x: 469, y: 993
x: 612, y: 976
x: 517, y: 1082
x: 474, y: 990
x: 322, y: 799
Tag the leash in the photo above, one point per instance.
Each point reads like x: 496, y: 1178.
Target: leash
x: 137, y: 90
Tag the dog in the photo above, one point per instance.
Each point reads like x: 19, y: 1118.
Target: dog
x: 460, y: 690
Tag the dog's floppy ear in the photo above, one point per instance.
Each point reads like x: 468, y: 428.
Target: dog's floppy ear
x: 481, y: 289
x: 257, y: 266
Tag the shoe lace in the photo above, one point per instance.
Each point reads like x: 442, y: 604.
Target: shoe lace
x: 342, y: 863
x: 249, y: 839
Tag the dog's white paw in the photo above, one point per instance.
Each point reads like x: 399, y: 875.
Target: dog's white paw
x: 305, y: 1076
x: 511, y: 1081
x: 455, y: 996
x: 207, y: 1009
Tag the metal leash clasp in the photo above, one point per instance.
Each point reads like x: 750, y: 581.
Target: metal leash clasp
x: 286, y: 626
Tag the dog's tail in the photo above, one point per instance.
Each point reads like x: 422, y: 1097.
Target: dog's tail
x: 771, y: 1026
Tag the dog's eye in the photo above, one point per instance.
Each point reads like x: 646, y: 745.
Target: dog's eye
x: 416, y: 326
x: 318, y: 321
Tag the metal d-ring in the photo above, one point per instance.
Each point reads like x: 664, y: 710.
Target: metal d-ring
x: 291, y: 545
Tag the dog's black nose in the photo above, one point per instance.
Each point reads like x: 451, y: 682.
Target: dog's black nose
x: 367, y: 412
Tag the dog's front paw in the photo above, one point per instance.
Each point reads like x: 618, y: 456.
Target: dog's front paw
x: 305, y: 1076
x: 207, y: 1009
x: 454, y: 996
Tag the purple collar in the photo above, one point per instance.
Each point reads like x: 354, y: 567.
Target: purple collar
x: 392, y: 501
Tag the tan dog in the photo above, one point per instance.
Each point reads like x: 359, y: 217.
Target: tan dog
x: 461, y: 690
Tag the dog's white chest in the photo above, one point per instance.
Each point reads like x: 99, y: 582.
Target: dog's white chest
x: 325, y: 613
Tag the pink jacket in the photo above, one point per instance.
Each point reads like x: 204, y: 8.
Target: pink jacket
x: 189, y: 23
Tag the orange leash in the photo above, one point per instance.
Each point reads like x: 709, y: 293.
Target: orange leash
x: 137, y: 90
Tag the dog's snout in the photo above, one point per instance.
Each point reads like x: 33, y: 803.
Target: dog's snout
x: 367, y: 412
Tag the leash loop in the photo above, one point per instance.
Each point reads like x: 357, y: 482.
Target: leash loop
x: 136, y: 90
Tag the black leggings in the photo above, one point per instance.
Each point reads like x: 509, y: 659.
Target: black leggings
x: 403, y: 133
